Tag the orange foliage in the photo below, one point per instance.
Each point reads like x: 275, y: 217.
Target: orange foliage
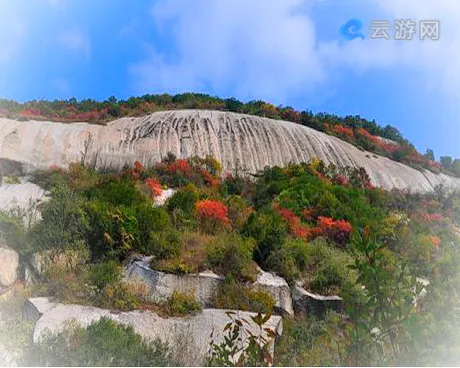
x: 343, y: 131
x: 138, y: 167
x: 208, y: 178
x: 337, y: 230
x: 308, y: 214
x: 435, y: 241
x: 181, y: 166
x: 154, y: 187
x: 297, y: 229
x: 212, y: 210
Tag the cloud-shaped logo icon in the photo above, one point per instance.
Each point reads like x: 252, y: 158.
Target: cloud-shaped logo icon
x: 350, y: 30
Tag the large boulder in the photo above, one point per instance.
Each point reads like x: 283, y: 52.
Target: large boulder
x: 197, y: 327
x: 278, y: 288
x: 9, y: 265
x: 163, y: 197
x: 161, y: 285
x: 34, y: 308
x: 25, y: 196
x: 306, y: 303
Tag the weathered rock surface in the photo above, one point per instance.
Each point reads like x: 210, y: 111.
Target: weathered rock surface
x: 6, y: 357
x: 236, y: 140
x: 25, y: 195
x: 161, y: 285
x: 149, y: 325
x: 9, y: 265
x: 278, y: 288
x: 163, y: 197
x: 34, y: 308
x: 306, y: 303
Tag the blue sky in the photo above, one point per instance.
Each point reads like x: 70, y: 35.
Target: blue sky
x: 287, y: 52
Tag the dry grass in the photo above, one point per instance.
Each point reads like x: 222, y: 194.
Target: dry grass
x: 192, y: 254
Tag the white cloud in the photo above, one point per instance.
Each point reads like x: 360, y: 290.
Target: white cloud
x: 436, y: 62
x: 77, y: 41
x: 261, y: 48
x: 268, y: 48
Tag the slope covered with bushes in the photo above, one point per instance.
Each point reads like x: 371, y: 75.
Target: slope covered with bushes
x: 325, y: 227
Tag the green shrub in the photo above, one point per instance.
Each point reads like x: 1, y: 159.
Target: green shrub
x: 191, y: 255
x: 328, y: 269
x: 239, y: 211
x: 269, y: 231
x: 230, y: 254
x: 118, y: 296
x: 291, y: 260
x: 235, y: 295
x: 117, y: 230
x: 181, y: 304
x: 311, y: 342
x: 260, y: 301
x: 48, y: 179
x: 105, y: 273
x: 12, y: 179
x: 113, y: 230
x: 117, y: 192
x: 13, y: 233
x: 156, y: 235
x: 103, y: 343
x: 164, y: 245
x: 184, y: 200
x: 64, y: 221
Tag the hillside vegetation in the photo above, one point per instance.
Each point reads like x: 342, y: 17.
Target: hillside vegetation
x: 326, y: 227
x: 365, y: 134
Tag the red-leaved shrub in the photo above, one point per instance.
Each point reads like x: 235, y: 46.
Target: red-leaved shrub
x: 154, y: 187
x: 212, y: 214
x: 337, y: 230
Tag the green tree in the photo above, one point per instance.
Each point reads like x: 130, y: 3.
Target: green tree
x: 456, y: 167
x: 64, y: 221
x: 429, y: 154
x: 446, y: 162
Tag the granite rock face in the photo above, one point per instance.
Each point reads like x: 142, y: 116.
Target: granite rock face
x: 24, y: 195
x: 278, y: 288
x: 161, y: 285
x: 197, y: 327
x: 236, y: 140
x: 9, y: 265
x: 306, y: 303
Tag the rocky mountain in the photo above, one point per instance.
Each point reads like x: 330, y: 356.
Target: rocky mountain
x: 238, y: 141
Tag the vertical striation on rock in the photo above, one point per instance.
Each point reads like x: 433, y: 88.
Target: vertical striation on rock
x: 237, y: 140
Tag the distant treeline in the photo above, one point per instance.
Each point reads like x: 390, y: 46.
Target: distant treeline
x: 360, y: 132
